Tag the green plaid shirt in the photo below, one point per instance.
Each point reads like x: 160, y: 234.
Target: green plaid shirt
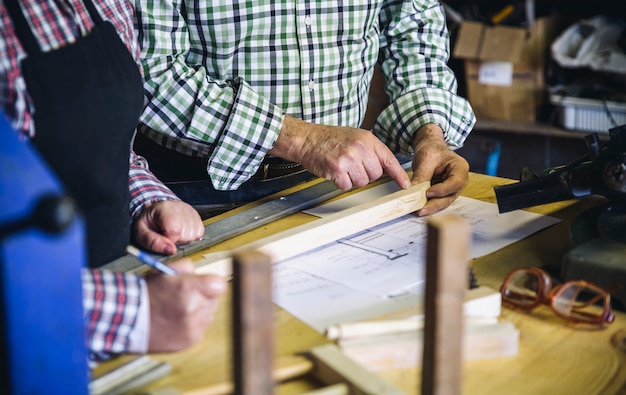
x: 220, y: 75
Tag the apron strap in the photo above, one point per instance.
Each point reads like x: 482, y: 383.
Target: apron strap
x: 25, y: 34
x: 93, y: 13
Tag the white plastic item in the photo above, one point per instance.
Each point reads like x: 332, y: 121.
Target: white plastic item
x: 589, y: 115
x: 592, y: 43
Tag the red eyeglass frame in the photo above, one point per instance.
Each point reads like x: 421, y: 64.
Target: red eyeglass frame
x: 546, y: 294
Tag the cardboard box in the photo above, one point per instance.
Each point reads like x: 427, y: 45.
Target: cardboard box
x: 504, y: 68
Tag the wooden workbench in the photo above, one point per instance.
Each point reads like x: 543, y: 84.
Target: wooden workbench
x: 554, y: 357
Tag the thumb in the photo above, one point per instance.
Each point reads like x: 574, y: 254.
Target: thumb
x: 422, y: 171
x: 184, y: 265
x: 210, y: 285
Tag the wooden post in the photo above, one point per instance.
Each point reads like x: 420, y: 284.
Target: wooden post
x: 446, y: 282
x: 253, y: 316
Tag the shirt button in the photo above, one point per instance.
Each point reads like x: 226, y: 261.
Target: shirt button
x: 311, y: 85
x: 308, y: 21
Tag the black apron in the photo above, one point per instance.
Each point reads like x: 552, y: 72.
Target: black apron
x: 88, y: 96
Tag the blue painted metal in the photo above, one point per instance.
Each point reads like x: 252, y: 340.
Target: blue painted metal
x: 42, y: 330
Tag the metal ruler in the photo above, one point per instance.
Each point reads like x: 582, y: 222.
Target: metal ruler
x: 242, y: 222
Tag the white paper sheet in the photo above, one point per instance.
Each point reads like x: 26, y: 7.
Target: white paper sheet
x: 381, y: 270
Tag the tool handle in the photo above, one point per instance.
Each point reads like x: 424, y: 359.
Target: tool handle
x: 533, y: 192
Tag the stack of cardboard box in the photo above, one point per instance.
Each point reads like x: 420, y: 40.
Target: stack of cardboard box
x: 505, y: 68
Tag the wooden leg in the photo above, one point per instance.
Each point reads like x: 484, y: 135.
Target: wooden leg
x: 446, y: 282
x: 253, y: 337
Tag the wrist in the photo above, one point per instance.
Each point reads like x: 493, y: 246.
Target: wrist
x: 429, y: 132
x: 289, y: 143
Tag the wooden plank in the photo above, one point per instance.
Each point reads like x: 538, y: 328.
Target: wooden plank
x: 446, y: 282
x: 331, y: 366
x: 335, y: 389
x: 325, y: 230
x: 128, y: 376
x: 253, y: 313
x: 287, y: 368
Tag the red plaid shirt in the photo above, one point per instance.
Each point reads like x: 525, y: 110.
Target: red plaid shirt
x: 111, y: 300
x: 111, y: 306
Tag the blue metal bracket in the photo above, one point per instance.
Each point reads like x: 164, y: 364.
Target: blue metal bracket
x: 41, y: 313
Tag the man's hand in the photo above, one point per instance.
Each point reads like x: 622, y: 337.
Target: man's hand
x: 160, y: 226
x: 434, y: 161
x: 350, y: 157
x: 181, y: 307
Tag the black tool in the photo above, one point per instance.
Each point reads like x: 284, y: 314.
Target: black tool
x: 52, y: 214
x: 600, y: 172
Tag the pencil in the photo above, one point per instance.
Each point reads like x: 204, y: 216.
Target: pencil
x: 150, y: 261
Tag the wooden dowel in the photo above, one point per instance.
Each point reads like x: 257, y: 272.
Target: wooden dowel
x: 253, y: 314
x: 446, y: 282
x: 363, y: 329
x: 373, y: 328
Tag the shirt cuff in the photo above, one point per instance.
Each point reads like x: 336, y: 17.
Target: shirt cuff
x: 139, y: 335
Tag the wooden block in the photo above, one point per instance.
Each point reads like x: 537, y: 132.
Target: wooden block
x: 481, y: 303
x: 253, y: 337
x: 405, y: 350
x: 446, y: 281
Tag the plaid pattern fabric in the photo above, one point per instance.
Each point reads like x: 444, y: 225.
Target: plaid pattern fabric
x: 111, y: 303
x: 54, y: 24
x: 220, y: 75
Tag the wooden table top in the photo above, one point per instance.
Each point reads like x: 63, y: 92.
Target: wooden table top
x: 554, y: 357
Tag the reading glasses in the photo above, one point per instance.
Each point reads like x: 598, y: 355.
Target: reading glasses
x: 576, y: 301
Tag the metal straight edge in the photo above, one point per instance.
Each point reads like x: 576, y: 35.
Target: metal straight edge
x: 242, y: 222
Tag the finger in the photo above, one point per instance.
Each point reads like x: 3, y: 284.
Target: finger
x: 449, y: 186
x: 343, y: 181
x: 394, y: 169
x: 169, y: 224
x: 184, y: 265
x: 177, y: 221
x: 453, y: 177
x: 154, y: 241
x: 193, y: 228
x: 423, y: 171
x: 372, y: 167
x: 436, y: 205
x: 359, y: 176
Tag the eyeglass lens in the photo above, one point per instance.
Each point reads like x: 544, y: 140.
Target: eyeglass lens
x: 575, y: 301
x: 579, y: 303
x: 524, y: 289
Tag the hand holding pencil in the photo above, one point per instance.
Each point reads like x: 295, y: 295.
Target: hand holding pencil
x: 182, y: 303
